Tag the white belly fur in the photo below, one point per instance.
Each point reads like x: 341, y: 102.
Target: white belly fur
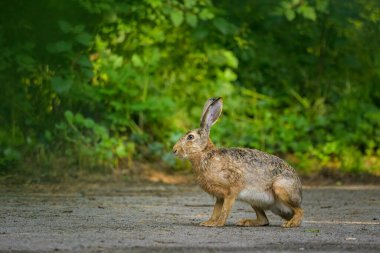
x: 263, y: 199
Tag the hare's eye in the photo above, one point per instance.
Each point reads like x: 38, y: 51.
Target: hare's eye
x: 190, y: 137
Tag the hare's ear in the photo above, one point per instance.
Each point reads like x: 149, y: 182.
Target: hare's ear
x: 205, y: 108
x: 211, y: 112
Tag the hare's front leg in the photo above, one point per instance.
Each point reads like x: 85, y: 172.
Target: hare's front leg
x: 226, y: 209
x: 215, y: 214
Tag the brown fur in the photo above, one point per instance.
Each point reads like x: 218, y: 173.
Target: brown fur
x: 263, y: 180
x: 293, y: 220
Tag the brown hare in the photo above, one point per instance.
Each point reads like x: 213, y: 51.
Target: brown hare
x: 262, y: 180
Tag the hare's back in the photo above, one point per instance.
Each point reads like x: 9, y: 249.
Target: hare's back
x: 257, y: 162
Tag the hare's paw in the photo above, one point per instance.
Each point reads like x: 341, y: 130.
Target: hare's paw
x: 220, y: 223
x: 209, y: 223
x: 291, y: 223
x: 252, y: 223
x: 212, y: 223
x: 296, y: 220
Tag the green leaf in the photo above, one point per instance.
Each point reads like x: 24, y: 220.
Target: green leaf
x: 63, y: 46
x: 136, y: 61
x: 322, y: 5
x: 200, y: 33
x: 84, y: 38
x: 312, y: 230
x: 78, y: 29
x: 206, y: 14
x: 101, y: 131
x: 155, y: 3
x: 224, y: 26
x: 88, y: 123
x: 191, y: 19
x: 69, y: 116
x: 116, y: 60
x: 308, y: 12
x: 59, y: 47
x: 221, y: 25
x: 61, y: 85
x: 229, y: 75
x: 190, y: 3
x: 25, y: 61
x: 110, y: 16
x: 84, y: 61
x: 121, y: 151
x: 176, y: 17
x: 79, y: 118
x: 289, y: 14
x: 231, y: 59
x: 64, y: 26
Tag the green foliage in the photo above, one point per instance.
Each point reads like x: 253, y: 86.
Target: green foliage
x: 91, y: 142
x: 98, y: 83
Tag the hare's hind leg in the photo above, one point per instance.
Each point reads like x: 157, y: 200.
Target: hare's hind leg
x: 293, y: 218
x: 261, y: 219
x: 296, y: 220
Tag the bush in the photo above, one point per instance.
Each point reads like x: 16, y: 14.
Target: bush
x: 103, y: 82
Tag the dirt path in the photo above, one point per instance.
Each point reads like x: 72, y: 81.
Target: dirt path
x: 165, y: 218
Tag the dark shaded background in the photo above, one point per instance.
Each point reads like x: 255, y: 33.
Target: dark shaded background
x: 99, y: 86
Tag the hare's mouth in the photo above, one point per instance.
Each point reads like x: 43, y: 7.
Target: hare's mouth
x: 179, y: 154
x: 176, y: 153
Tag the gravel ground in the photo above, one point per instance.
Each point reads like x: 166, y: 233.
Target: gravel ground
x: 159, y: 218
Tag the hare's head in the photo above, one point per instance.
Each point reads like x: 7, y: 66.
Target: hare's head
x: 197, y: 140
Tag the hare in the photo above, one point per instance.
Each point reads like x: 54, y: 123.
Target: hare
x: 262, y: 180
